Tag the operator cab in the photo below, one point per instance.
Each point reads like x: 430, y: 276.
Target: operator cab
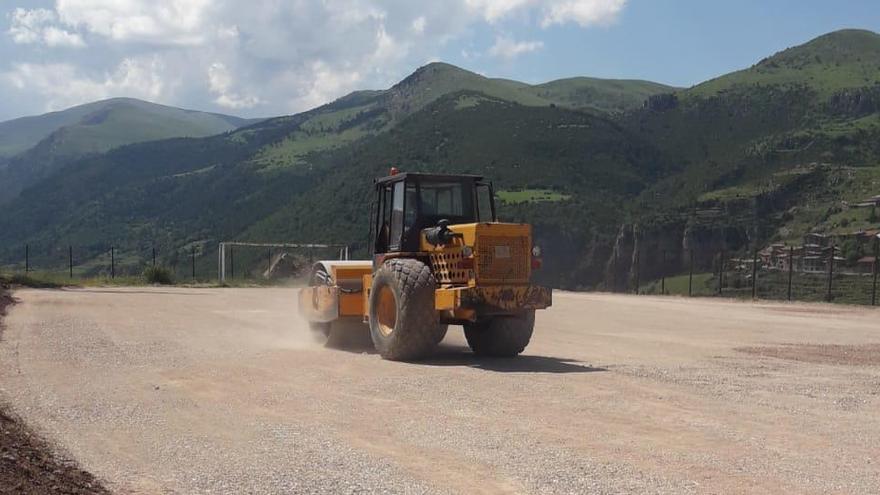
x: 407, y: 203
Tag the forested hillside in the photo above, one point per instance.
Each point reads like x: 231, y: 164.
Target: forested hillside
x: 608, y: 171
x: 32, y: 148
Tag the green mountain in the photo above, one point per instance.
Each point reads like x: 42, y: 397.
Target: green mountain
x: 836, y: 61
x: 367, y: 113
x: 610, y: 173
x: 106, y: 124
x: 31, y: 148
x: 607, y: 95
x: 763, y: 154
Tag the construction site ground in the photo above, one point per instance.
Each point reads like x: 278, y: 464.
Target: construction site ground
x: 185, y: 390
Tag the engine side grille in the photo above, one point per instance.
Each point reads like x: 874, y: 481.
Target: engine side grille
x: 503, y: 259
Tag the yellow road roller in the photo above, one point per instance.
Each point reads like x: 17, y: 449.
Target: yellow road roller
x: 440, y: 258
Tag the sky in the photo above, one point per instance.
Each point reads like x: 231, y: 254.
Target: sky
x: 258, y: 58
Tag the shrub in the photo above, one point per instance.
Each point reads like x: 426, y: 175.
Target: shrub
x: 159, y: 275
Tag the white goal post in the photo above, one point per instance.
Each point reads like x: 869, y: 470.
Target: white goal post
x: 221, y: 255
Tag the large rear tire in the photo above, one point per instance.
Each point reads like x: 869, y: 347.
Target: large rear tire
x: 403, y: 323
x: 501, y: 336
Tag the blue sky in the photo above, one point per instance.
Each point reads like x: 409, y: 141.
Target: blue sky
x: 683, y: 42
x: 265, y: 57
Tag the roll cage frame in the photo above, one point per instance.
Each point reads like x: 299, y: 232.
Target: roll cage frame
x: 390, y: 233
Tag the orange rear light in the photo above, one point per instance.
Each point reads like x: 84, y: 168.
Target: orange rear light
x: 536, y: 263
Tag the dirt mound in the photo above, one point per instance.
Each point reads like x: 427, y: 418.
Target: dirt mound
x: 852, y: 355
x: 5, y: 301
x: 28, y: 464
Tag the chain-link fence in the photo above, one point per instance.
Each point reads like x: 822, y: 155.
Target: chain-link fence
x: 808, y: 272
x: 195, y: 262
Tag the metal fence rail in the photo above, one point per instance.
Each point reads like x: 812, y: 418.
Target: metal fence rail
x: 813, y: 273
x: 188, y: 262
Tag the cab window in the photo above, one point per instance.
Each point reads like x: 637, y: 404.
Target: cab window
x: 485, y: 209
x: 397, y: 203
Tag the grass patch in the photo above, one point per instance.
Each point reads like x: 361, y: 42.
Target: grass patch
x: 159, y: 275
x: 532, y: 196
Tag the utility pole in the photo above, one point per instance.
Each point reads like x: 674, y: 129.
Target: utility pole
x: 194, y: 263
x: 70, y: 259
x: 27, y: 258
x: 112, y: 263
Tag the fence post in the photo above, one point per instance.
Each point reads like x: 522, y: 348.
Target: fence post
x: 829, y: 297
x: 720, y: 272
x: 874, y: 286
x: 70, y: 259
x: 27, y: 258
x: 638, y: 269
x: 232, y: 262
x: 755, y: 275
x: 221, y: 263
x: 112, y: 262
x: 154, y: 256
x: 194, y: 263
x: 691, y: 275
x: 663, y: 275
x: 790, y: 270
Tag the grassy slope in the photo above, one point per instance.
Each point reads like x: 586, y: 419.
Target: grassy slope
x: 592, y: 162
x: 129, y: 121
x: 735, y: 132
x: 609, y: 95
x: 243, y: 185
x: 93, y: 128
x: 839, y: 60
x: 368, y: 113
x: 19, y: 135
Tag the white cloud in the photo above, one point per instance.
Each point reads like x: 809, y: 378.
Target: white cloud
x: 35, y: 26
x: 221, y: 84
x: 583, y: 12
x: 260, y: 57
x: 175, y: 22
x: 62, y: 85
x: 494, y: 10
x: 508, y: 48
x: 418, y: 24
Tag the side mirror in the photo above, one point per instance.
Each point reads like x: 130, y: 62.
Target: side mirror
x: 440, y: 235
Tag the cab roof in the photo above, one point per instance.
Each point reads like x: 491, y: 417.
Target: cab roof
x: 426, y: 177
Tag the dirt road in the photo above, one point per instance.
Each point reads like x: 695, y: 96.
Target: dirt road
x: 222, y: 391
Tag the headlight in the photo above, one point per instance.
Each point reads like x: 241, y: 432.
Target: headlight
x: 536, y: 251
x: 467, y: 251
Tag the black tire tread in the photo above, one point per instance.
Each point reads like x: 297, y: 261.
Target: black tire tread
x: 417, y: 328
x: 501, y: 336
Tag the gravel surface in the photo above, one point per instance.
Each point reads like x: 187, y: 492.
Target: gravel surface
x: 223, y: 391
x: 28, y: 463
